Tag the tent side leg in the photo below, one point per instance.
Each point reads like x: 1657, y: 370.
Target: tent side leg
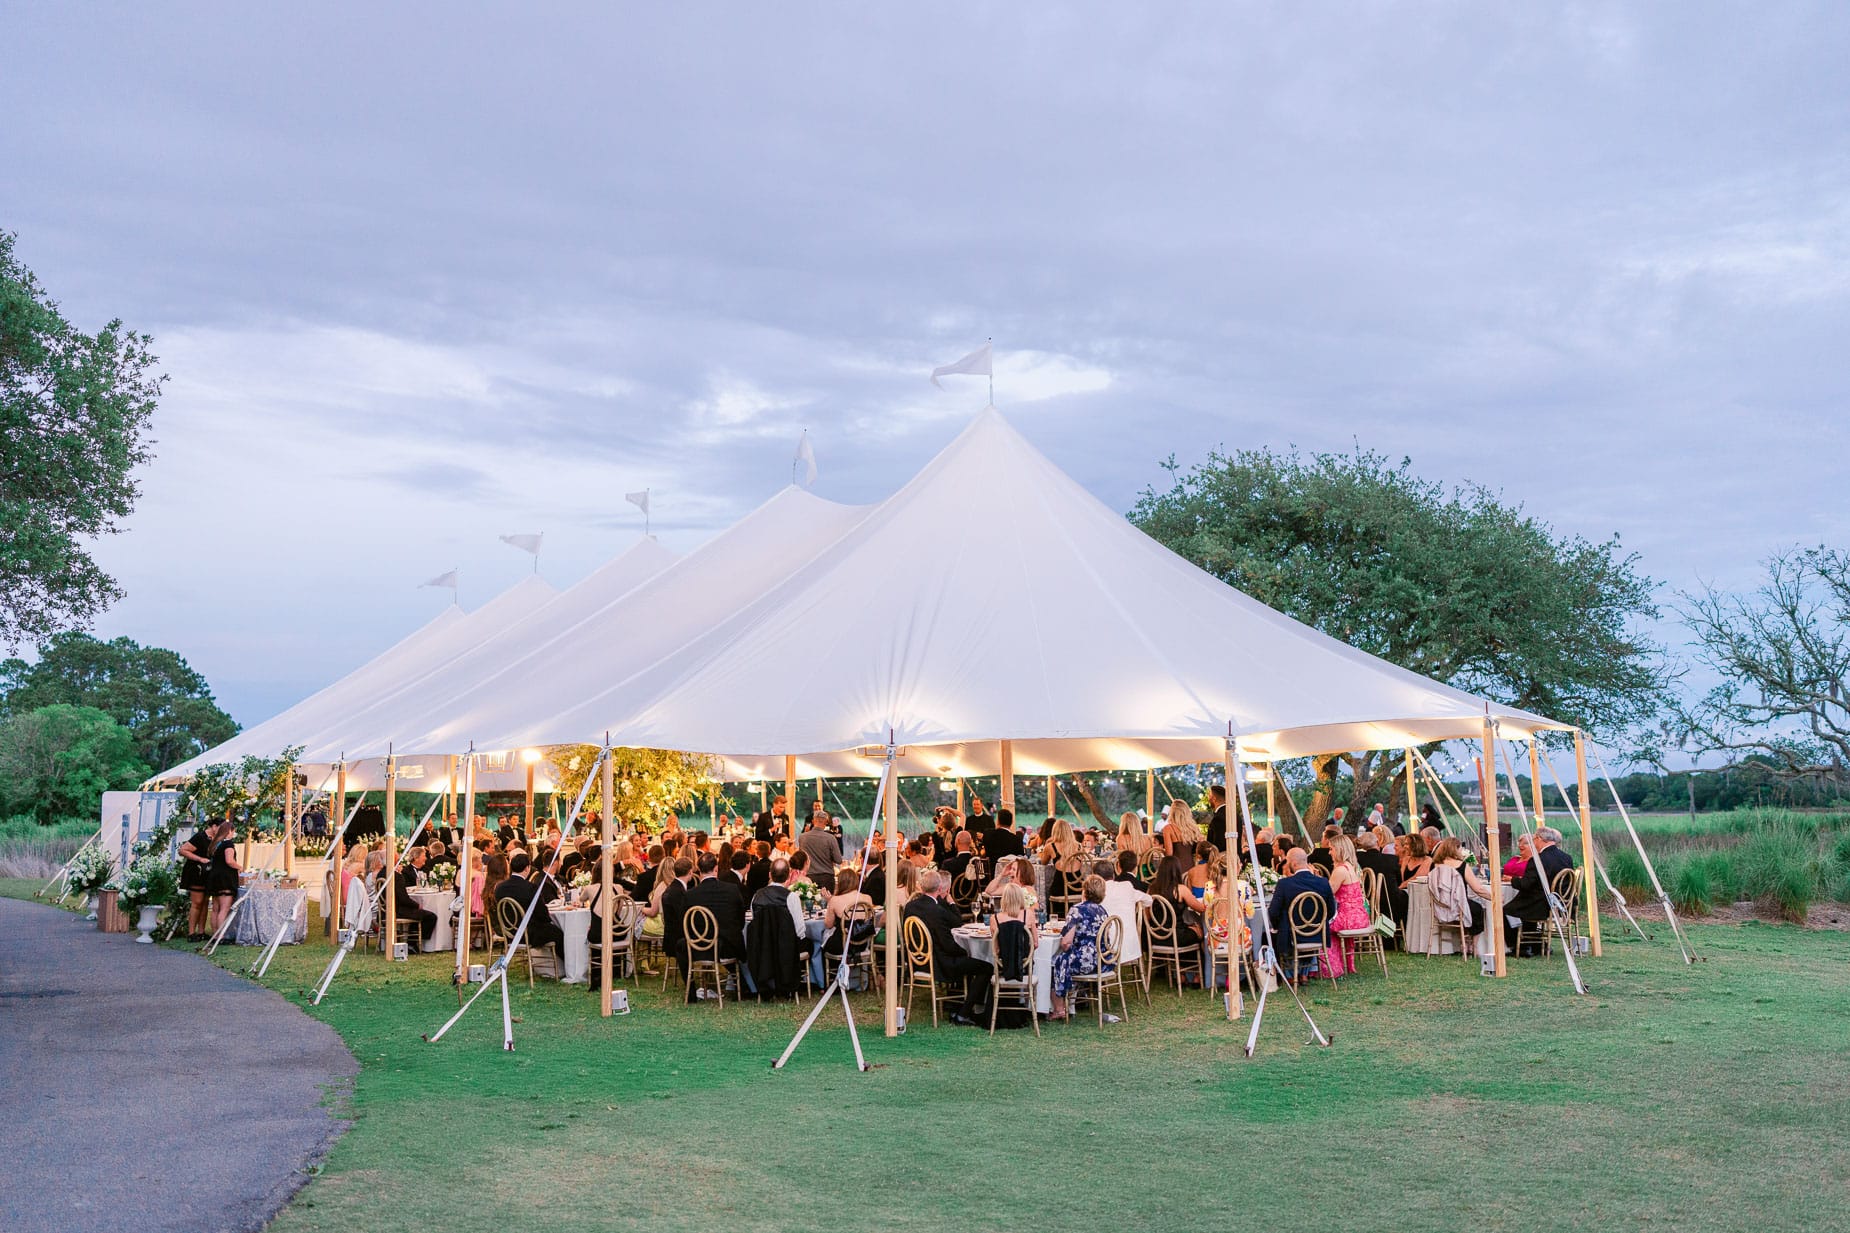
x: 1586, y: 842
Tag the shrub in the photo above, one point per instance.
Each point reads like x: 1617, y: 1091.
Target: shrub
x: 1690, y: 886
x: 1628, y: 874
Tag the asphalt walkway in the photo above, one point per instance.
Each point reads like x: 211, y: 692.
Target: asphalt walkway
x: 147, y: 1089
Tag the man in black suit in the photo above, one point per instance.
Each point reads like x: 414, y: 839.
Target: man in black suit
x: 408, y: 875
x: 1217, y: 821
x: 521, y: 888
x: 979, y: 823
x: 727, y: 903
x: 1368, y: 852
x: 1320, y: 855
x: 961, y: 855
x: 949, y: 962
x: 674, y: 909
x: 773, y: 822
x: 1300, y: 881
x: 1528, y: 901
x: 1004, y: 840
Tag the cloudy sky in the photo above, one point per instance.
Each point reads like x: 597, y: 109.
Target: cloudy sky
x: 425, y: 276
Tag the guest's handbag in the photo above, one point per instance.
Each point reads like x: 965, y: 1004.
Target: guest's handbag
x: 1385, y: 926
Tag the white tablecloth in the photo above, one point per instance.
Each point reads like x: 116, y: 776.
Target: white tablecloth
x: 575, y: 924
x: 979, y: 945
x: 435, y: 899
x: 267, y: 910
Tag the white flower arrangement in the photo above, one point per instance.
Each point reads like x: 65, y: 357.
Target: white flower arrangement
x: 442, y: 875
x: 808, y: 893
x: 148, y: 882
x: 581, y: 879
x: 91, y: 871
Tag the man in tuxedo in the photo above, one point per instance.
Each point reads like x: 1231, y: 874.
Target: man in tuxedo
x: 949, y: 962
x: 408, y: 875
x: 1528, y: 901
x: 961, y: 854
x: 773, y: 822
x: 1004, y: 840
x: 1320, y: 855
x: 727, y: 903
x: 521, y: 887
x: 1217, y: 821
x: 1301, y: 880
x: 979, y: 823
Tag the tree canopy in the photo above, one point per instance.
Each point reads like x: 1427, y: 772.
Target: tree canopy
x: 1455, y: 585
x: 74, y: 415
x: 57, y: 761
x: 151, y: 691
x: 1783, y: 655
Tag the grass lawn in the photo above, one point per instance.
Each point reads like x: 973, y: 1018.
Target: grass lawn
x: 1713, y: 1097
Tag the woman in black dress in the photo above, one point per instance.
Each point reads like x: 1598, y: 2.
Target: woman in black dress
x: 222, y: 878
x: 195, y: 868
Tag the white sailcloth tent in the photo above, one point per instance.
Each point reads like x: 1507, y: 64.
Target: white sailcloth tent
x: 572, y: 650
x: 994, y: 599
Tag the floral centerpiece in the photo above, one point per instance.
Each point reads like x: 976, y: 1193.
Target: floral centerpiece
x: 1268, y: 878
x: 581, y: 879
x: 808, y: 894
x: 90, y: 871
x: 443, y: 874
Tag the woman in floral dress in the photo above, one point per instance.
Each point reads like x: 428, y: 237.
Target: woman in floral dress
x: 1078, y: 951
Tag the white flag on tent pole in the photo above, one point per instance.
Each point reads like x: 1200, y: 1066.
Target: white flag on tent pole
x: 444, y: 580
x: 526, y: 543
x: 806, y: 458
x: 639, y: 499
x: 976, y: 364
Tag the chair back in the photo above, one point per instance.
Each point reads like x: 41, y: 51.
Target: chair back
x: 1566, y: 886
x: 966, y: 886
x: 1110, y: 943
x: 702, y: 929
x: 918, y: 945
x: 1374, y: 889
x: 628, y: 912
x: 507, y: 918
x: 1320, y: 869
x: 1307, y: 916
x: 1161, y: 915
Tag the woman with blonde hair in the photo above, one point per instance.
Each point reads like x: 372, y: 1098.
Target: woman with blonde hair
x: 1134, y: 834
x: 1180, y: 833
x: 1351, y: 911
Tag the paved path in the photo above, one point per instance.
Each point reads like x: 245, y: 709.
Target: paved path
x: 143, y: 1089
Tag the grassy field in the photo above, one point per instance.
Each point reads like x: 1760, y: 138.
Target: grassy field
x: 1701, y: 1098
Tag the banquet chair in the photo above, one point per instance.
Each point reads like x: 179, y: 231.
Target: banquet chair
x: 1368, y: 939
x: 1320, y: 869
x: 703, y: 957
x: 1097, y: 986
x: 1306, y: 919
x: 918, y: 966
x: 1540, y: 933
x: 1017, y: 992
x: 967, y: 886
x: 622, y: 938
x: 1163, y: 947
x: 507, y: 920
x: 860, y: 956
x: 1221, y: 951
x: 1064, y: 890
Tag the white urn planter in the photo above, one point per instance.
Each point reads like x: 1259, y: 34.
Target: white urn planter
x: 150, y: 917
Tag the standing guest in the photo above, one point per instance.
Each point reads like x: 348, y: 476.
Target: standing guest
x: 1134, y: 834
x: 1078, y: 954
x: 1003, y: 840
x: 773, y: 822
x: 979, y: 823
x: 949, y: 963
x: 478, y: 865
x: 823, y: 850
x: 1217, y: 821
x: 1336, y: 819
x: 1429, y: 817
x: 1298, y: 882
x: 195, y: 879
x: 222, y: 876
x: 1351, y: 909
x: 1180, y: 834
x: 943, y: 834
x: 1377, y: 816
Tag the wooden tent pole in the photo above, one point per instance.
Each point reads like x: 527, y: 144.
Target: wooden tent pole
x: 1495, y: 873
x: 1231, y: 782
x: 1271, y: 796
x: 1006, y: 790
x: 1535, y: 780
x: 606, y: 899
x: 895, y: 910
x: 530, y: 769
x: 1413, y: 795
x: 1586, y: 843
x: 390, y: 934
x: 339, y: 845
x: 464, y: 917
x: 1149, y: 795
x: 1053, y: 810
x: 790, y: 796
x: 960, y: 796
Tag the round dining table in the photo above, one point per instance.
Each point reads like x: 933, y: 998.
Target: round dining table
x: 575, y: 957
x: 438, y: 900
x: 978, y: 944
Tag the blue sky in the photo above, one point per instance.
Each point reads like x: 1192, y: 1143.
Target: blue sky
x: 425, y: 276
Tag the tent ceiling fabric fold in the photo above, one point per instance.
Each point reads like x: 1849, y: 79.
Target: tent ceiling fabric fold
x: 993, y: 597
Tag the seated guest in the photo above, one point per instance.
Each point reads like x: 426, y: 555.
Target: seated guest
x: 734, y: 867
x: 1452, y: 883
x: 645, y: 876
x: 1529, y: 894
x: 408, y: 908
x: 775, y: 938
x: 1387, y: 868
x: 758, y: 867
x: 1079, y: 953
x: 1123, y: 899
x: 845, y: 899
x: 1298, y: 882
x: 494, y: 872
x: 1525, y: 852
x: 1431, y: 835
x: 1320, y: 855
x: 1261, y: 855
x: 519, y: 887
x: 727, y: 903
x: 1384, y: 840
x: 1134, y: 834
x: 963, y: 851
x: 1414, y: 857
x: 1127, y: 871
x: 949, y: 962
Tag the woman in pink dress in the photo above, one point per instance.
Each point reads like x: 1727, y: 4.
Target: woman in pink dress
x: 1351, y: 910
